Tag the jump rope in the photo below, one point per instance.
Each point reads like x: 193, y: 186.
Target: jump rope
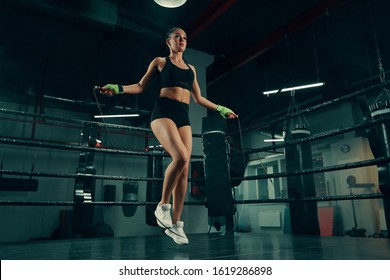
x: 101, y: 90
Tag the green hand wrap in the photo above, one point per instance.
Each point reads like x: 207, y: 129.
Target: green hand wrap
x: 224, y: 111
x: 117, y: 89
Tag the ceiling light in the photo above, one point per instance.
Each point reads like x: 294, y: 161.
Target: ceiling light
x: 170, y: 3
x: 116, y: 116
x: 274, y: 140
x: 276, y: 155
x: 293, y: 88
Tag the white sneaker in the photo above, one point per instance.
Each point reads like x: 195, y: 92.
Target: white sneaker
x: 177, y: 233
x: 163, y: 215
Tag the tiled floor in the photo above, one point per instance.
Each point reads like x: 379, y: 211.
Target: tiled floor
x: 240, y: 246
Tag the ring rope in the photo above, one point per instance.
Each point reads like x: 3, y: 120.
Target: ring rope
x: 338, y: 167
x: 315, y: 198
x: 40, y: 144
x: 81, y: 122
x: 11, y: 141
x: 83, y: 175
x: 364, y: 163
x: 94, y: 203
x: 99, y: 124
x: 251, y: 201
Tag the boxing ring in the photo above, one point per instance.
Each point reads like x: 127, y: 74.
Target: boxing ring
x: 215, y: 176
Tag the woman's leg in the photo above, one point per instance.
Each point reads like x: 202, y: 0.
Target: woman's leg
x: 180, y: 190
x: 169, y: 137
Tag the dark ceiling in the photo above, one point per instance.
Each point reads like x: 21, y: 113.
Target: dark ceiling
x: 63, y: 48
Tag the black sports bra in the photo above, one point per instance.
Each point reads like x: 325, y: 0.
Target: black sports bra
x: 173, y: 76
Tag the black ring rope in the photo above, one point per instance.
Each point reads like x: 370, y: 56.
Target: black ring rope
x: 81, y: 122
x: 78, y: 175
x: 82, y: 175
x: 320, y: 136
x: 40, y: 144
x: 338, y: 167
x: 130, y: 203
x: 99, y: 124
x: 364, y: 163
x: 317, y: 198
x: 93, y: 203
x: 313, y: 138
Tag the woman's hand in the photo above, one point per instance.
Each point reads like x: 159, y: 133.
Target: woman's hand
x: 226, y: 112
x: 109, y: 89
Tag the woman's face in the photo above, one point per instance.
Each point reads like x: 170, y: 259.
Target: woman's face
x: 177, y: 41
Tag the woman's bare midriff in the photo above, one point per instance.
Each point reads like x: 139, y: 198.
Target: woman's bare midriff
x: 176, y: 93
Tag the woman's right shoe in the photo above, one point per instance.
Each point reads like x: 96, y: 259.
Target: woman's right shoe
x: 176, y: 232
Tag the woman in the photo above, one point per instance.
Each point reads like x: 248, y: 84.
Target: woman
x: 171, y: 126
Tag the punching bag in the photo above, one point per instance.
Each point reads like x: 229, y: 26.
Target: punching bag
x: 216, y: 167
x: 303, y: 215
x: 130, y: 194
x: 379, y: 140
x: 154, y: 188
x: 84, y: 189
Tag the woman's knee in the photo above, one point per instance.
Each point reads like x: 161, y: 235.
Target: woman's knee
x: 182, y: 159
x: 185, y: 171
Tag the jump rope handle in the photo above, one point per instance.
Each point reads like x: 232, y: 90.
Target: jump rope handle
x: 104, y: 91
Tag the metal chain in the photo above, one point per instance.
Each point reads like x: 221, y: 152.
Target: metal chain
x: 382, y: 75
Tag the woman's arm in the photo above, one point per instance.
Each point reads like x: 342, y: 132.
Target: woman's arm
x: 113, y: 89
x: 145, y: 80
x: 199, y: 99
x: 197, y: 96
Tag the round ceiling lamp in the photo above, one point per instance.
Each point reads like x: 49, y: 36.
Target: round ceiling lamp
x: 170, y: 3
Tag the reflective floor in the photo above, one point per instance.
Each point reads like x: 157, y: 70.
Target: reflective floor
x: 241, y: 246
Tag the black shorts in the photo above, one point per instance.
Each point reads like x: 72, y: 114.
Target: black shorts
x: 172, y: 109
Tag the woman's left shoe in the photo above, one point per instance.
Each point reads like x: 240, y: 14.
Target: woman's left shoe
x: 176, y: 232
